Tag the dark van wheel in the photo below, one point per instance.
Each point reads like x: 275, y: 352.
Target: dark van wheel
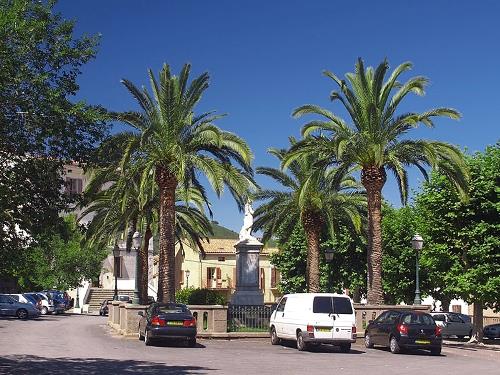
x: 394, y: 346
x: 274, y: 337
x: 345, y: 348
x: 22, y: 313
x: 301, y: 344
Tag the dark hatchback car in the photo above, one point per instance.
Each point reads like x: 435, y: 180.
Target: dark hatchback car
x: 404, y: 330
x: 167, y: 321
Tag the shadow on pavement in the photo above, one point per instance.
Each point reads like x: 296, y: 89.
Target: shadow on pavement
x: 175, y: 344
x: 324, y: 348
x: 58, y: 366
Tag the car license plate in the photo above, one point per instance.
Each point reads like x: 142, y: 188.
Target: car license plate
x: 323, y: 329
x: 175, y: 323
x: 422, y: 342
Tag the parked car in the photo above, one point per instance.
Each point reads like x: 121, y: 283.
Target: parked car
x: 452, y: 324
x: 9, y: 306
x: 167, y: 321
x: 492, y: 331
x: 314, y: 319
x: 123, y: 298
x: 103, y: 310
x: 46, y: 306
x: 59, y: 295
x: 59, y: 305
x: 404, y: 329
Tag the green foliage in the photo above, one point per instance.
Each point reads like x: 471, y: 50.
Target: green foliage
x: 466, y: 234
x: 40, y: 127
x: 197, y: 296
x: 346, y: 271
x: 58, y: 260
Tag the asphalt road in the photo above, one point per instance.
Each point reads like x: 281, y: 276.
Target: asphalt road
x: 74, y: 344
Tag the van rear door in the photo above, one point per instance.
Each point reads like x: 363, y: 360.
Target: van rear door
x: 323, y: 317
x: 344, y: 318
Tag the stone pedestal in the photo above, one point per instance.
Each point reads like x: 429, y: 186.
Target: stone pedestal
x: 247, y: 273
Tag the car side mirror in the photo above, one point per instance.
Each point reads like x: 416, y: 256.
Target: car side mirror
x: 140, y: 313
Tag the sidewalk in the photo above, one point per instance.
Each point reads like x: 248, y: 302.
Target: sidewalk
x: 493, y: 345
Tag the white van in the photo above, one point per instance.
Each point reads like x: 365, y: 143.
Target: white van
x: 314, y: 319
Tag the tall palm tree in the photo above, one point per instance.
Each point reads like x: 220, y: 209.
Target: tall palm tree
x: 316, y: 197
x: 374, y: 139
x: 175, y: 146
x: 115, y: 199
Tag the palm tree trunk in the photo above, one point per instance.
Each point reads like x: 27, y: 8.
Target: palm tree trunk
x: 167, y: 184
x: 312, y: 224
x: 144, y: 263
x: 373, y: 179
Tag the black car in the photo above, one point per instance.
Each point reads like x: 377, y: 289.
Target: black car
x: 404, y: 330
x: 103, y: 310
x: 167, y: 321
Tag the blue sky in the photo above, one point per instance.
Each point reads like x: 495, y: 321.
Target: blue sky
x: 266, y: 57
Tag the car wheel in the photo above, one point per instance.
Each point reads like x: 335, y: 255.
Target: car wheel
x: 22, y: 313
x: 147, y: 339
x: 44, y: 310
x: 436, y: 351
x: 275, y: 340
x: 368, y: 341
x: 192, y: 342
x: 301, y: 344
x: 345, y: 348
x: 394, y: 345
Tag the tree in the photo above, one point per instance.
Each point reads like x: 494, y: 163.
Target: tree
x: 467, y: 233
x: 347, y: 270
x: 116, y: 199
x: 174, y: 145
x: 59, y: 259
x: 376, y: 142
x: 315, y: 198
x: 41, y: 128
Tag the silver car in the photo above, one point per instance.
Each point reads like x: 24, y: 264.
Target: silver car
x: 452, y: 324
x: 9, y: 306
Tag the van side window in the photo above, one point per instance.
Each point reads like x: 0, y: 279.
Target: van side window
x: 281, y: 306
x: 342, y: 305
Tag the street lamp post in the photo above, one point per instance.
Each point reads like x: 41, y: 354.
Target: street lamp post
x: 136, y: 243
x: 116, y: 254
x: 417, y: 242
x: 187, y: 278
x: 329, y: 258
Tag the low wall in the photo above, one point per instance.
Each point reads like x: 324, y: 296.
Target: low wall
x: 210, y: 318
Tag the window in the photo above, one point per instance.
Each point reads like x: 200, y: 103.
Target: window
x: 454, y: 318
x: 74, y: 185
x: 382, y: 317
x: 330, y: 305
x: 439, y: 318
x: 221, y: 259
x: 274, y: 277
x: 281, y: 305
x: 418, y: 319
x: 214, y: 277
x: 456, y: 308
x: 342, y: 305
x: 6, y: 299
x: 262, y: 279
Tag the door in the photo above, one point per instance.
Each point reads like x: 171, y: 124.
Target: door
x: 6, y: 306
x: 278, y: 316
x: 386, y: 326
x: 323, y: 317
x: 456, y: 326
x: 344, y: 319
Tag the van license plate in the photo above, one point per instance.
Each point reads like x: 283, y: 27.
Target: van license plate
x: 323, y: 329
x: 422, y: 342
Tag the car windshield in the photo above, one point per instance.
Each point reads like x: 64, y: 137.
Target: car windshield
x: 330, y: 305
x: 439, y: 317
x: 418, y: 319
x: 171, y: 308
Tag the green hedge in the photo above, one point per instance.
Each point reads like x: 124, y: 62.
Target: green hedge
x: 197, y: 296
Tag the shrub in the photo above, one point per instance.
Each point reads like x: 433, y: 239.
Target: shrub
x: 197, y: 296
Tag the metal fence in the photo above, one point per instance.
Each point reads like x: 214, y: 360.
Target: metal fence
x: 249, y: 318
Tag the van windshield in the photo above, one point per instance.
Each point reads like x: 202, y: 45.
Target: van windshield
x: 332, y: 305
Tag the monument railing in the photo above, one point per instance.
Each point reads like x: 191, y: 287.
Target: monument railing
x: 249, y: 318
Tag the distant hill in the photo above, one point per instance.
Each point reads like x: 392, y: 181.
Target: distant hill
x: 223, y: 233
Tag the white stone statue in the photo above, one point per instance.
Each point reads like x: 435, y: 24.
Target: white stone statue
x: 246, y: 229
